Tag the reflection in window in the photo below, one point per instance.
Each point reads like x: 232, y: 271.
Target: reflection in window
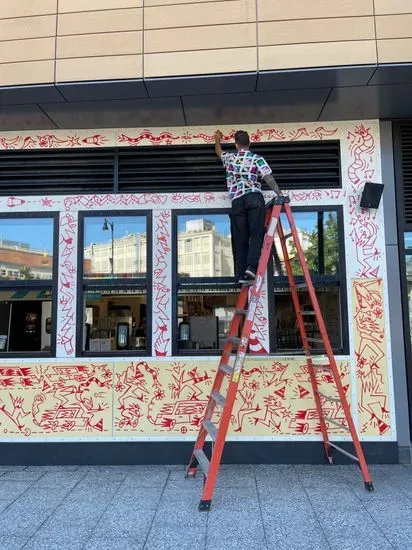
x: 115, y: 246
x: 26, y: 249
x: 204, y: 320
x: 204, y: 246
x: 25, y: 320
x: 318, y: 235
x: 287, y: 330
x: 115, y: 320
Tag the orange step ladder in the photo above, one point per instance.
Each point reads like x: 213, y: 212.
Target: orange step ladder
x: 245, y: 313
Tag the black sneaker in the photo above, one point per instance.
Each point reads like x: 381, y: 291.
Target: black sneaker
x: 248, y: 277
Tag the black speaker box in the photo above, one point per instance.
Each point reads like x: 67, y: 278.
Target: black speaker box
x: 371, y: 195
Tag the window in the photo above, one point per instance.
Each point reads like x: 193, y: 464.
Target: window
x: 27, y: 270
x: 321, y: 236
x: 206, y: 290
x: 115, y: 308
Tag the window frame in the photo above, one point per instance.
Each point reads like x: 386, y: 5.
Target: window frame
x: 192, y: 282
x: 340, y: 281
x: 128, y: 283
x: 38, y: 284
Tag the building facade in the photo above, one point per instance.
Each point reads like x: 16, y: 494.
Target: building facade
x: 106, y: 142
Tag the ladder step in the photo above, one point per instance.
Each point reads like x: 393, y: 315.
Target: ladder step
x: 315, y: 340
x: 202, y: 460
x: 335, y: 399
x: 210, y: 428
x: 350, y: 455
x: 234, y: 340
x: 227, y: 369
x: 336, y: 423
x: 319, y: 366
x: 241, y: 311
x: 307, y: 312
x: 301, y: 285
x: 288, y: 236
x: 218, y: 398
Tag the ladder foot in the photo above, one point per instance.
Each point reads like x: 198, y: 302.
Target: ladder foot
x: 190, y: 472
x: 369, y: 486
x: 204, y: 505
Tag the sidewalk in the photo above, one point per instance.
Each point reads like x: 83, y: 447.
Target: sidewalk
x: 155, y: 508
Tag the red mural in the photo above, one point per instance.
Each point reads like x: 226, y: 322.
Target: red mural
x: 267, y: 134
x: 161, y: 283
x: 370, y: 353
x: 66, y: 329
x: 61, y: 400
x: 146, y: 403
x: 274, y: 398
x: 364, y: 227
x: 259, y: 337
x: 51, y: 141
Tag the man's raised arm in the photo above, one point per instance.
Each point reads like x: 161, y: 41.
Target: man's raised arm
x: 218, y: 145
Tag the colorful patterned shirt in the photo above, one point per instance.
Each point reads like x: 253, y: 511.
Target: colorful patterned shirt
x: 243, y: 169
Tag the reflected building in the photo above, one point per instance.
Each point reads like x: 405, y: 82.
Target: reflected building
x: 130, y: 256
x: 203, y: 251
x: 19, y: 261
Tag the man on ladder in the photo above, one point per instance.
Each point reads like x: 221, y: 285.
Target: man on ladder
x: 243, y: 170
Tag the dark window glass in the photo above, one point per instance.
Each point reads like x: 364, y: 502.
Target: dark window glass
x: 25, y: 320
x: 204, y: 319
x: 319, y: 234
x: 115, y: 320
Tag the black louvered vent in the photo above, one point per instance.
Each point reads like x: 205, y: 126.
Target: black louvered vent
x: 196, y: 168
x: 56, y: 171
x: 406, y: 151
x: 304, y: 165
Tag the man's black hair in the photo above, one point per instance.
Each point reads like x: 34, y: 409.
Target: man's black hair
x: 242, y: 138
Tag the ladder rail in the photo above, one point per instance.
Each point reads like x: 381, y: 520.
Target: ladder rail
x: 250, y: 295
x: 302, y: 330
x: 254, y: 295
x: 328, y: 347
x: 210, y: 408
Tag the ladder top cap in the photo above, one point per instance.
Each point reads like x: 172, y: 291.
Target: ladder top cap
x: 279, y: 200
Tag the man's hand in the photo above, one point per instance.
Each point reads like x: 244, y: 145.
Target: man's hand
x: 218, y: 146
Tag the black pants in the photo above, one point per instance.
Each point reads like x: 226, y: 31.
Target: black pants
x: 248, y: 231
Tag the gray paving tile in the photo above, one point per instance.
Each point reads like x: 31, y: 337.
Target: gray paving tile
x: 11, y: 468
x: 178, y: 510
x: 295, y: 536
x: 394, y: 518
x: 69, y: 516
x: 12, y: 489
x: 58, y: 479
x: 22, y: 520
x: 21, y: 475
x: 44, y: 496
x: 350, y: 542
x: 131, y: 519
x: 165, y: 538
x: 97, y: 543
x: 63, y: 541
x: 147, y: 476
x: 235, y: 520
x: 52, y: 468
x: 12, y: 543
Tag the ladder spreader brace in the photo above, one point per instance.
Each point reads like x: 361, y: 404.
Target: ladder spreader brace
x: 244, y: 315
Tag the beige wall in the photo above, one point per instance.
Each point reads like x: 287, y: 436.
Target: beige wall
x: 72, y: 40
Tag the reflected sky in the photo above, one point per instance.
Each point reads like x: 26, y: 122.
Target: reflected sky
x: 123, y: 225
x: 37, y: 233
